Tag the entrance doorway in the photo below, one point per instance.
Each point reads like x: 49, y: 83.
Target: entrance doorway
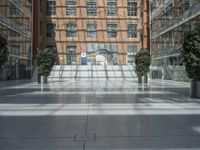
x: 102, y: 54
x: 100, y: 57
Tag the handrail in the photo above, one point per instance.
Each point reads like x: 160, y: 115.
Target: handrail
x: 175, y: 50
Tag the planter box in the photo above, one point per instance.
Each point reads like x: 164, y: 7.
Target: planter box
x: 143, y: 79
x: 195, y: 89
x: 42, y: 79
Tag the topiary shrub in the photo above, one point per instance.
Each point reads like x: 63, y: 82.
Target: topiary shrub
x: 142, y: 62
x: 4, y: 53
x: 45, y: 60
x: 190, y: 54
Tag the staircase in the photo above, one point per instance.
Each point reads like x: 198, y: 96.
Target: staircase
x: 92, y: 72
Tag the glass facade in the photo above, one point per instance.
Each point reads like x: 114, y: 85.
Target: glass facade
x: 169, y: 22
x: 15, y: 27
x: 14, y: 11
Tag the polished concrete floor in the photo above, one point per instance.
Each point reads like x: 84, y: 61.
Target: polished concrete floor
x: 98, y: 115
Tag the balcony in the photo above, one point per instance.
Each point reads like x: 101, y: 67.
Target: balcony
x: 190, y: 14
x: 15, y: 27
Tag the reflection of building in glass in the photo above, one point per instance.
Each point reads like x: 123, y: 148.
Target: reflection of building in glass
x: 15, y: 26
x: 76, y: 26
x: 170, y: 20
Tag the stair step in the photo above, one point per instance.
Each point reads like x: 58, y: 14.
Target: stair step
x: 88, y: 72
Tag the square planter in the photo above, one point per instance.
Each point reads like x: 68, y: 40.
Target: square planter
x: 195, y: 89
x: 42, y: 79
x: 143, y: 79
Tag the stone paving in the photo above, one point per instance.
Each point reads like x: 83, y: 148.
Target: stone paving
x: 98, y: 115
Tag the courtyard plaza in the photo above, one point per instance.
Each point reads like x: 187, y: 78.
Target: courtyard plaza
x: 98, y: 115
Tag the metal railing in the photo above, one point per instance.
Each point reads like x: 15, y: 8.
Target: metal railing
x: 165, y: 52
x: 15, y: 27
x: 24, y: 56
x: 191, y: 13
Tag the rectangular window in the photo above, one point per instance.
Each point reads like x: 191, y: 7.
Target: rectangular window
x: 91, y: 8
x: 132, y: 9
x: 71, y: 30
x: 71, y: 7
x: 14, y: 11
x: 112, y: 8
x: 51, y: 33
x: 51, y: 8
x: 14, y: 34
x: 15, y: 49
x: 112, y: 30
x: 92, y: 30
x: 71, y: 55
x: 132, y: 49
x: 132, y: 31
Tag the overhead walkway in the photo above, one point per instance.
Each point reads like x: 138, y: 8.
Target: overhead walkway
x: 92, y: 72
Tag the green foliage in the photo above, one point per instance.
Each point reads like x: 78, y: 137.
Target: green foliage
x: 4, y: 53
x: 143, y: 62
x: 190, y: 54
x: 45, y: 61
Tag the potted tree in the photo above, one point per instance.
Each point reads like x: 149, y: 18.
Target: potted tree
x: 190, y: 55
x: 45, y: 60
x: 142, y: 62
x: 4, y: 53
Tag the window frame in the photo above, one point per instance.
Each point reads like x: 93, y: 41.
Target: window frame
x: 51, y: 33
x: 92, y: 33
x: 71, y: 33
x: 71, y: 7
x: 131, y: 5
x: 51, y: 9
x: 112, y: 30
x: 132, y: 32
x: 91, y: 8
x: 112, y: 8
